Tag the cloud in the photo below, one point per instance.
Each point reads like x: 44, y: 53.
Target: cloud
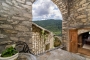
x: 45, y: 9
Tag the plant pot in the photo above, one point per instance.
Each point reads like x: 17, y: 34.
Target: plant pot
x: 9, y: 58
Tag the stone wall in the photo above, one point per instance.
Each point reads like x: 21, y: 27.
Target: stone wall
x: 63, y: 6
x: 79, y: 13
x: 16, y: 17
x: 15, y: 20
x: 42, y: 39
x: 76, y: 14
x: 80, y: 31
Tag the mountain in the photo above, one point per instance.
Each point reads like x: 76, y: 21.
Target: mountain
x: 52, y: 25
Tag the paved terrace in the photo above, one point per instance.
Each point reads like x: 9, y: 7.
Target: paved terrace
x: 59, y: 54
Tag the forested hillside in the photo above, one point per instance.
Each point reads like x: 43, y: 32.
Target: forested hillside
x: 52, y: 25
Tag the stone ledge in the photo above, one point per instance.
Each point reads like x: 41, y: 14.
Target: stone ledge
x: 5, y: 42
x: 3, y: 36
x: 1, y: 18
x: 6, y: 26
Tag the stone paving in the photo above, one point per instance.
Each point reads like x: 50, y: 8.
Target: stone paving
x: 59, y: 54
x: 87, y: 57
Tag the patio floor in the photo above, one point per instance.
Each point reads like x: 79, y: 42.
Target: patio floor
x: 84, y: 51
x: 59, y: 54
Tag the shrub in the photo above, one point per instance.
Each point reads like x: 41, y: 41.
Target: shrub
x: 57, y: 42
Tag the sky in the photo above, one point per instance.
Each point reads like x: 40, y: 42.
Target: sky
x: 45, y: 9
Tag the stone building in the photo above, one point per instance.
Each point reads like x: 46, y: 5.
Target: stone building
x: 42, y: 39
x: 15, y: 21
x: 16, y: 17
x: 76, y: 22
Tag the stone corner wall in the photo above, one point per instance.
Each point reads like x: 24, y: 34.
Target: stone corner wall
x: 15, y: 21
x: 76, y: 14
x: 63, y: 6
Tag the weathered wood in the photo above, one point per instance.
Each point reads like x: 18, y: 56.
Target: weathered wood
x: 73, y: 40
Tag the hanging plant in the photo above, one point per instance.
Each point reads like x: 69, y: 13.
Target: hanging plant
x: 43, y: 35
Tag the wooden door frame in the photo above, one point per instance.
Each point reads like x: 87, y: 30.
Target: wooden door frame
x: 70, y: 40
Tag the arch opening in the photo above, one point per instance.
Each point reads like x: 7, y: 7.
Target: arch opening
x: 84, y: 40
x: 84, y: 43
x: 46, y: 12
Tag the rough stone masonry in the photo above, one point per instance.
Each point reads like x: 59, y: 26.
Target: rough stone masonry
x: 76, y: 14
x: 15, y: 21
x: 14, y: 15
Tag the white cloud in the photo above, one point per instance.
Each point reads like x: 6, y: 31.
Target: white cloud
x: 45, y: 9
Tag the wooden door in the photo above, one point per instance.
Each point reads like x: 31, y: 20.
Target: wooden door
x: 73, y: 43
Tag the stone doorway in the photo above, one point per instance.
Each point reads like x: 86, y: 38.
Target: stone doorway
x: 84, y: 40
x: 79, y: 41
x: 84, y: 43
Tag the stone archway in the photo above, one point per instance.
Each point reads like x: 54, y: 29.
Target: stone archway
x: 75, y: 14
x: 16, y: 17
x: 63, y: 6
x: 84, y: 41
x: 79, y: 41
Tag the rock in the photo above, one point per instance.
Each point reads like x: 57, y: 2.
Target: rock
x: 18, y: 18
x: 32, y: 1
x: 82, y: 2
x: 81, y: 8
x: 5, y: 5
x: 5, y: 8
x: 22, y: 39
x: 9, y: 2
x: 28, y: 3
x: 14, y: 2
x: 84, y: 20
x: 2, y: 18
x: 10, y: 31
x: 15, y: 22
x: 14, y: 38
x: 27, y: 15
x: 1, y: 22
x: 27, y: 23
x: 21, y: 28
x: 5, y: 42
x: 21, y: 1
x: 6, y: 26
x: 3, y: 36
x: 84, y: 5
x: 81, y: 16
x: 24, y: 34
x: 89, y: 6
x: 26, y: 6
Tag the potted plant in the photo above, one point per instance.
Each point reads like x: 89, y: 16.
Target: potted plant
x: 9, y: 53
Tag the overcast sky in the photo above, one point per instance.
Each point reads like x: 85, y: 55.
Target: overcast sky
x: 45, y: 9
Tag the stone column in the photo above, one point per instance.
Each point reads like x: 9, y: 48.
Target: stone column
x: 62, y: 5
